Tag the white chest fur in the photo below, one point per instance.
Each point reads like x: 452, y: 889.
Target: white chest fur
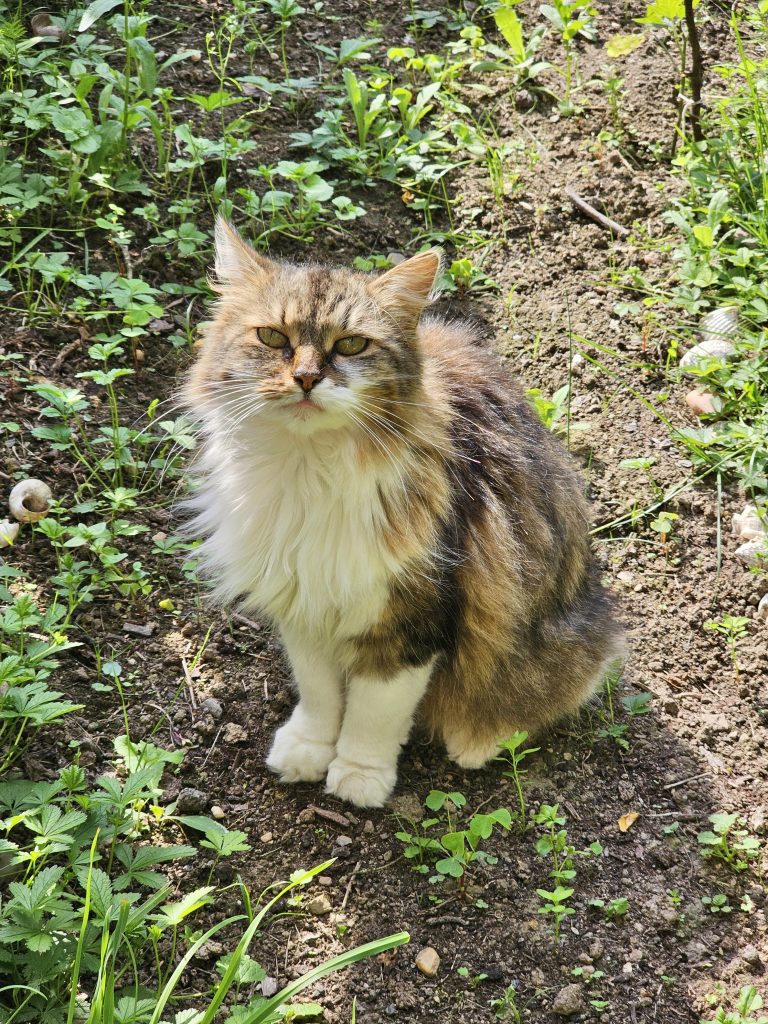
x: 296, y: 528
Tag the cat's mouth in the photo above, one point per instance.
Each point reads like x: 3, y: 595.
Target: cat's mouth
x: 305, y: 404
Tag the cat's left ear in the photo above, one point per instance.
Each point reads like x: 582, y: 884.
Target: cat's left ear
x: 235, y: 259
x: 407, y: 288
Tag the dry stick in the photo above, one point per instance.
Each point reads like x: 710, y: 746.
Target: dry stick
x: 586, y: 208
x: 696, y: 77
x: 682, y: 782
x: 349, y: 885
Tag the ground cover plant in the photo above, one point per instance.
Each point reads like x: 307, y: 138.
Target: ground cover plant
x: 613, y: 868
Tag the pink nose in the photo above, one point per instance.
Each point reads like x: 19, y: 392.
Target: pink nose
x: 307, y: 378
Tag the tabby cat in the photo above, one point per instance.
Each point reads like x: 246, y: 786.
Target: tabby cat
x: 372, y: 482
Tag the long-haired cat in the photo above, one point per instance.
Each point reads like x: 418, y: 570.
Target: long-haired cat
x: 373, y: 483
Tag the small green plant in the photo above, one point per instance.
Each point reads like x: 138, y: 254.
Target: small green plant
x: 634, y: 704
x: 556, y: 904
x: 505, y: 1007
x: 733, y: 627
x: 727, y: 843
x: 587, y: 974
x: 663, y: 524
x: 613, y: 909
x: 745, y: 1010
x: 570, y: 18
x: 717, y: 904
x: 514, y: 756
x: 456, y: 849
x: 473, y: 979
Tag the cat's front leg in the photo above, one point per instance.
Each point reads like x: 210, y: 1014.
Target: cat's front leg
x: 377, y: 720
x: 304, y: 747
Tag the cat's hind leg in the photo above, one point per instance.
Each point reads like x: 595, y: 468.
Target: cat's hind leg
x: 468, y: 750
x: 377, y: 720
x: 304, y: 747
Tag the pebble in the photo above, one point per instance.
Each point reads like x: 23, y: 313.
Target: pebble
x: 750, y: 955
x: 191, y: 801
x: 368, y: 827
x: 701, y: 402
x: 596, y: 949
x: 266, y: 837
x: 319, y: 905
x: 428, y: 962
x: 269, y: 987
x: 568, y: 1001
x: 217, y: 812
x: 408, y: 805
x: 762, y: 608
x: 234, y: 733
x: 212, y: 707
x: 343, y: 841
x: 325, y: 881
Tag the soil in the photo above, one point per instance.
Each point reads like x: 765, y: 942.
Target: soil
x: 702, y: 748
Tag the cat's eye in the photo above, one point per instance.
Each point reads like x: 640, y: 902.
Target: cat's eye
x: 271, y: 337
x: 351, y: 346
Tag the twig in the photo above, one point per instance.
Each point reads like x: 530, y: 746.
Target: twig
x: 349, y: 885
x: 682, y: 782
x: 245, y: 621
x: 213, y: 747
x: 447, y: 919
x: 696, y: 77
x: 190, y: 684
x: 586, y: 208
x: 65, y: 353
x: 334, y: 816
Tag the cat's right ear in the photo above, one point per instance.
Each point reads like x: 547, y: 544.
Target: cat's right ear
x: 235, y: 259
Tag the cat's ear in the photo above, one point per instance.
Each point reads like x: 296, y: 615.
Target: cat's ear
x: 235, y: 259
x: 408, y: 286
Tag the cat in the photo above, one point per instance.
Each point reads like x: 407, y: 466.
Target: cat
x: 372, y: 481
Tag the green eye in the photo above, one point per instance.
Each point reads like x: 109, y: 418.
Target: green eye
x: 351, y: 346
x: 271, y: 337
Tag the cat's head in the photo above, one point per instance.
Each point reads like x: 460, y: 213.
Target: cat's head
x: 308, y: 348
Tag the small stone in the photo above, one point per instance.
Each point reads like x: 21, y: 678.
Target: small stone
x: 428, y: 962
x: 701, y: 402
x: 191, y: 801
x: 319, y: 905
x: 750, y: 955
x: 368, y: 827
x: 762, y: 608
x: 325, y: 881
x: 568, y: 1001
x: 625, y: 576
x: 266, y: 837
x: 596, y: 949
x: 217, y: 812
x: 234, y: 733
x: 408, y: 806
x: 212, y: 707
x: 305, y: 816
x: 269, y: 987
x: 343, y: 841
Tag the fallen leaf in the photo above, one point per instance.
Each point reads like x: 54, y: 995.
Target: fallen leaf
x: 626, y: 821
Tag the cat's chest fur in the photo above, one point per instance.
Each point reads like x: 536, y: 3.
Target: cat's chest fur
x: 298, y: 530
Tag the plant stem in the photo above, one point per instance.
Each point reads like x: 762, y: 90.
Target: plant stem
x: 696, y: 76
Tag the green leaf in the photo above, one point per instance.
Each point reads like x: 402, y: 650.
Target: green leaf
x: 172, y: 914
x: 622, y: 45
x: 660, y: 10
x: 511, y: 28
x: 95, y: 11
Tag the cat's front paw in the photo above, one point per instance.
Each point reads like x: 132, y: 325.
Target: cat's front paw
x: 296, y: 757
x: 359, y: 784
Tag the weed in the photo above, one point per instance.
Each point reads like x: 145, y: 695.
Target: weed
x: 514, y: 757
x: 745, y: 1009
x: 733, y: 627
x: 456, y: 849
x: 727, y: 843
x: 554, y: 843
x: 613, y: 909
x: 633, y: 704
x: 717, y: 904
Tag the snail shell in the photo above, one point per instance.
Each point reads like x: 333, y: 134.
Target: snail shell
x: 8, y: 532
x: 30, y: 501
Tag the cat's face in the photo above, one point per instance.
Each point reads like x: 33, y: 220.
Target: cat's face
x: 310, y: 349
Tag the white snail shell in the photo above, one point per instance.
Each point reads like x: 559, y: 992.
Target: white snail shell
x: 8, y: 532
x: 747, y: 525
x: 30, y: 501
x: 762, y: 608
x: 753, y: 552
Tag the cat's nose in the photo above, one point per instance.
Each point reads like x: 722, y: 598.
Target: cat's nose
x: 307, y: 379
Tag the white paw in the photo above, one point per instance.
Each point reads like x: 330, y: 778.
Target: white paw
x: 471, y: 755
x: 360, y: 784
x: 298, y: 758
